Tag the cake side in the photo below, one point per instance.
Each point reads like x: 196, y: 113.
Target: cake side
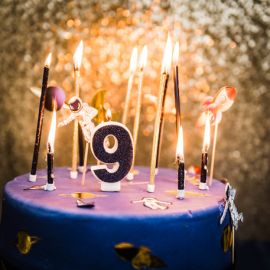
x: 186, y: 235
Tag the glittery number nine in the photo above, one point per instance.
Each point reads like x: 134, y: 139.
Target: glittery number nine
x: 119, y: 157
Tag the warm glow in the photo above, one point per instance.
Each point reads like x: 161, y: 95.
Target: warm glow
x: 133, y: 60
x: 51, y: 136
x: 77, y: 57
x: 180, y: 145
x: 167, y: 56
x: 176, y: 53
x: 48, y: 60
x: 143, y: 58
x: 108, y: 115
x: 206, y: 138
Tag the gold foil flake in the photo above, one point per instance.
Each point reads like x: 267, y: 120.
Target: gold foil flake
x: 139, y: 257
x: 188, y: 193
x: 227, y: 238
x: 25, y: 241
x: 82, y: 195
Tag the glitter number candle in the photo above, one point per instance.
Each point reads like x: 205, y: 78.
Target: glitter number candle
x: 181, y: 164
x: 32, y: 176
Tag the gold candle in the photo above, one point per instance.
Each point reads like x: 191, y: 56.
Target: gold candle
x: 166, y: 64
x: 77, y: 58
x: 132, y: 69
x: 142, y: 64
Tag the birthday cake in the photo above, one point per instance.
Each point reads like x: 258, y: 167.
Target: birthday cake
x: 80, y: 227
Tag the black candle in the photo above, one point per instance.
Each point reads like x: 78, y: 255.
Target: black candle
x: 50, y: 155
x: 176, y: 86
x: 181, y: 165
x: 81, y: 149
x: 206, y: 143
x: 32, y: 176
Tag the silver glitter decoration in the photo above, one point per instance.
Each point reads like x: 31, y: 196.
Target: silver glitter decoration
x: 221, y: 43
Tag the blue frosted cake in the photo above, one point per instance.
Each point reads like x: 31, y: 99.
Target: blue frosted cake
x: 131, y: 229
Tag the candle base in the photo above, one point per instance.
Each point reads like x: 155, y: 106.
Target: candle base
x: 110, y: 186
x: 73, y: 174
x: 150, y: 188
x: 180, y: 194
x: 49, y: 187
x: 80, y: 169
x: 203, y: 186
x: 156, y: 171
x: 130, y: 176
x: 32, y: 177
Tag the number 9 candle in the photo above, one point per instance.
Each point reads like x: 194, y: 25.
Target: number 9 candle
x: 166, y: 64
x: 120, y: 156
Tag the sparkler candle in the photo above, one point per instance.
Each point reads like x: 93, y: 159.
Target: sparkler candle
x: 33, y: 176
x: 142, y: 64
x: 77, y: 58
x: 50, y: 155
x: 176, y: 86
x: 132, y: 69
x: 181, y: 164
x: 166, y: 64
x: 206, y: 143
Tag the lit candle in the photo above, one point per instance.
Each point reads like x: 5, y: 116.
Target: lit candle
x: 33, y: 176
x: 50, y: 186
x: 176, y: 85
x: 142, y: 64
x: 132, y: 69
x: 77, y: 58
x: 206, y: 143
x: 166, y: 64
x: 181, y: 165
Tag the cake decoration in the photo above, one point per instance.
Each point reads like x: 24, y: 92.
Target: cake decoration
x: 188, y: 193
x: 222, y: 101
x: 230, y: 205
x: 33, y: 176
x: 142, y: 64
x: 139, y: 257
x: 119, y: 156
x: 166, y: 64
x: 227, y: 238
x: 154, y: 203
x: 206, y: 143
x: 83, y: 204
x: 83, y: 195
x: 24, y: 242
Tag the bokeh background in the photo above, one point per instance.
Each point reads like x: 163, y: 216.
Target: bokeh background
x: 221, y: 43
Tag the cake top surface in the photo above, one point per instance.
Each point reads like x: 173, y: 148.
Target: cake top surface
x: 115, y: 204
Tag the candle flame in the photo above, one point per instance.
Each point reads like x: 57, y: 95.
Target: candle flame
x: 48, y: 60
x: 51, y: 136
x: 167, y: 56
x: 143, y: 58
x: 77, y: 57
x: 206, y: 138
x: 133, y: 60
x: 180, y: 145
x: 109, y: 114
x: 176, y: 53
